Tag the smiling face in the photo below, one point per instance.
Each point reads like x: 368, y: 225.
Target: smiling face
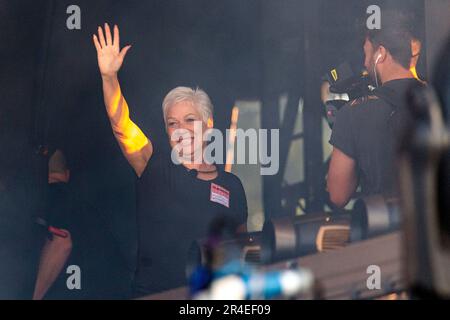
x: 183, y: 115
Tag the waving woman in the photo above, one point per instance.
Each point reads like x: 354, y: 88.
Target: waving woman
x: 175, y: 201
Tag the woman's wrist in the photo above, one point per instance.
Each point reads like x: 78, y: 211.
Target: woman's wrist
x: 110, y: 77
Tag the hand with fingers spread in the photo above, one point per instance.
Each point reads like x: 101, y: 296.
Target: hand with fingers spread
x: 109, y: 55
x: 136, y: 147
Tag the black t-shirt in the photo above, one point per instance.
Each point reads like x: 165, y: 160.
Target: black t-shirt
x: 58, y: 205
x: 365, y: 130
x: 175, y: 208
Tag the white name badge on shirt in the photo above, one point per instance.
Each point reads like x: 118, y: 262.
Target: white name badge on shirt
x: 220, y: 195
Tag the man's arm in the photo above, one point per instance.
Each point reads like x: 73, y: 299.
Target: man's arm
x: 56, y: 251
x: 342, y: 179
x: 136, y: 147
x: 54, y: 256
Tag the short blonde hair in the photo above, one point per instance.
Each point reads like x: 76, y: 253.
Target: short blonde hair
x: 198, y: 97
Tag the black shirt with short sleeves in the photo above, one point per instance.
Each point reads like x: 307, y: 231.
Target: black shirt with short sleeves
x: 365, y: 130
x: 175, y: 208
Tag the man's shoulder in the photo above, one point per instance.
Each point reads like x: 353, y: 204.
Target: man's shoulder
x: 362, y: 105
x: 362, y: 101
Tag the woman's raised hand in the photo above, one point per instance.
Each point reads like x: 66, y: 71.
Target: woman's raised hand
x: 109, y: 55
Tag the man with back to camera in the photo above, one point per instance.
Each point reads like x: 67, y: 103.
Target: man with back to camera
x: 363, y: 136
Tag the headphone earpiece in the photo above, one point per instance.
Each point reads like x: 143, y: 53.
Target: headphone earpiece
x: 375, y: 67
x: 378, y: 59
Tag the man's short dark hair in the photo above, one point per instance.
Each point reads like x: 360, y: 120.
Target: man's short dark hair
x: 395, y: 35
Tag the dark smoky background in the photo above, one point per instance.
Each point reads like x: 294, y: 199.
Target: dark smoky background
x: 51, y: 93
